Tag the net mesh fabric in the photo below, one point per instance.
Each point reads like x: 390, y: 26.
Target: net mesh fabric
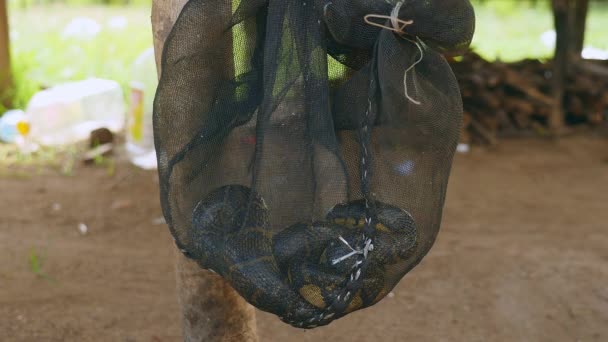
x: 303, y: 153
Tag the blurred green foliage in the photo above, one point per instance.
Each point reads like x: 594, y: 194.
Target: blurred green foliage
x: 511, y: 29
x: 30, y: 3
x: 23, y: 86
x: 41, y: 56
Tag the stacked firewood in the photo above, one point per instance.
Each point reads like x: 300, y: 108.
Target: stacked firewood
x: 512, y: 98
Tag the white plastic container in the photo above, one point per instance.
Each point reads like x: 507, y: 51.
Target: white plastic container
x: 67, y: 113
x: 8, y: 125
x: 140, y: 135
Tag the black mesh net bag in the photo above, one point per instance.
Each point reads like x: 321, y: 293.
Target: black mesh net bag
x: 304, y: 146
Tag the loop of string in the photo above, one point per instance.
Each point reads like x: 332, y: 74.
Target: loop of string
x: 398, y: 26
x: 410, y: 68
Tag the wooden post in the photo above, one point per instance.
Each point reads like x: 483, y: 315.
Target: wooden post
x: 211, y: 310
x: 561, y: 16
x: 5, y: 60
x: 570, y: 18
x: 578, y: 31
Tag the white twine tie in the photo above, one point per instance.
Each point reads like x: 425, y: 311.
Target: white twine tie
x: 398, y: 26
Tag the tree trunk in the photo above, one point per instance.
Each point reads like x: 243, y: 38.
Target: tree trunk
x: 211, y: 310
x: 580, y: 21
x: 5, y: 64
x: 561, y: 16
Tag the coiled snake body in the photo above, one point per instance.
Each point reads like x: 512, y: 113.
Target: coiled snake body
x: 305, y: 273
x: 310, y: 273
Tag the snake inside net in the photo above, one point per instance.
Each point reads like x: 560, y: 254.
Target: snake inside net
x: 304, y: 146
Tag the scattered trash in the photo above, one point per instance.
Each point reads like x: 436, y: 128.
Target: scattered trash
x: 56, y: 206
x: 83, y: 28
x: 101, y: 136
x: 121, y: 204
x: 158, y: 221
x: 140, y: 139
x: 8, y: 125
x: 15, y: 128
x: 391, y: 294
x: 463, y: 148
x: 145, y: 161
x: 83, y: 229
x: 67, y: 113
x: 96, y: 153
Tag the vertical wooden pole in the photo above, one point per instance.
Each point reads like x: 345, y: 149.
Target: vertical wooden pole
x: 5, y: 57
x: 211, y: 310
x: 561, y: 16
x: 580, y: 21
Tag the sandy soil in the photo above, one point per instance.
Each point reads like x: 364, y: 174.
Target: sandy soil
x: 522, y: 256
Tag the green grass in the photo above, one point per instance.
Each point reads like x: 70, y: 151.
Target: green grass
x: 509, y: 30
x: 15, y: 164
x: 42, y: 57
x: 36, y: 261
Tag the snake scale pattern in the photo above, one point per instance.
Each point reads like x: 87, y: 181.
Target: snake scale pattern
x: 310, y: 273
x: 298, y: 273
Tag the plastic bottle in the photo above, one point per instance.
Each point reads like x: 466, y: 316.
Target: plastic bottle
x: 140, y: 137
x: 8, y: 125
x: 15, y: 129
x: 68, y: 112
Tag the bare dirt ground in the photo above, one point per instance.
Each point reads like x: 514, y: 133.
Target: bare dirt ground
x: 522, y: 256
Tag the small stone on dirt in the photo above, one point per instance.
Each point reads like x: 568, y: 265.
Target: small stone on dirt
x: 121, y: 204
x: 82, y: 228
